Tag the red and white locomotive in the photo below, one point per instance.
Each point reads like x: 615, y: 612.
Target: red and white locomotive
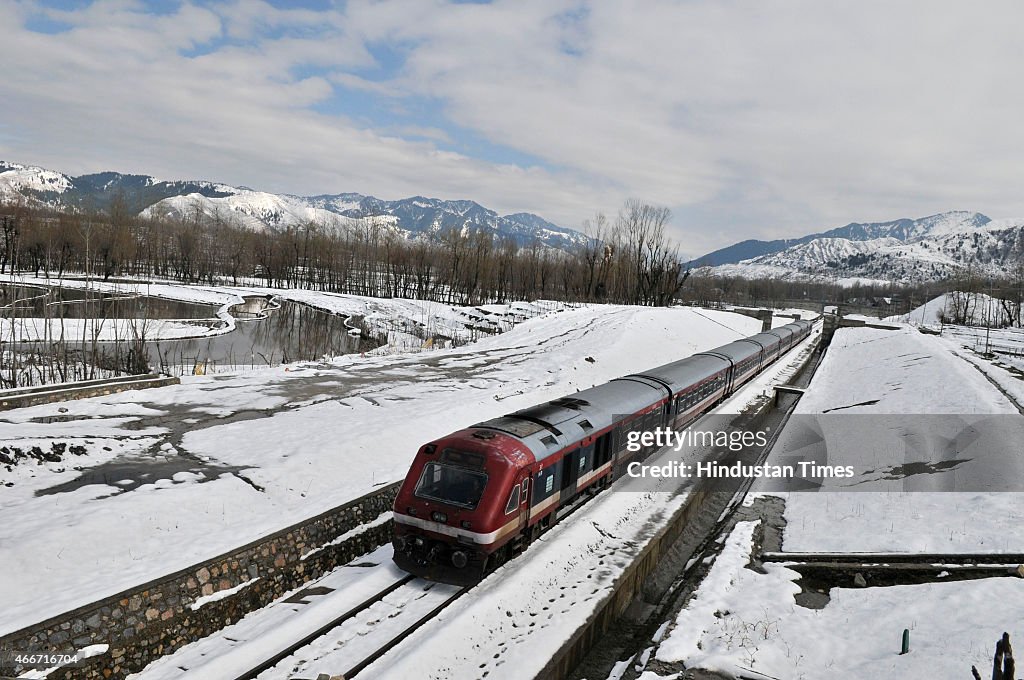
x: 477, y: 497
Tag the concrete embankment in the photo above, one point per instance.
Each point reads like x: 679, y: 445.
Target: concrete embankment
x: 48, y: 394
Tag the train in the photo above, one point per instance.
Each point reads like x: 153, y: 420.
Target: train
x: 475, y: 498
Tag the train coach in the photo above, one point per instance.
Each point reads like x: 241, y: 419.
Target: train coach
x: 479, y: 496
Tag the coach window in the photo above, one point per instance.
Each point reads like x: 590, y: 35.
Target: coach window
x: 513, y: 500
x: 526, y: 489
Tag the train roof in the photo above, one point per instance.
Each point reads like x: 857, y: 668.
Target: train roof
x: 550, y: 427
x: 736, y: 351
x: 783, y: 331
x: 766, y: 339
x: 685, y: 372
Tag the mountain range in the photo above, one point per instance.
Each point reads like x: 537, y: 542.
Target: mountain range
x: 919, y: 250
x: 904, y: 250
x: 260, y: 210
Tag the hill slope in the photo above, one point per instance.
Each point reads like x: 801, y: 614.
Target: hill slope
x: 259, y: 210
x: 926, y: 249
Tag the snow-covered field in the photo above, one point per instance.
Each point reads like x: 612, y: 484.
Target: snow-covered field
x: 170, y: 475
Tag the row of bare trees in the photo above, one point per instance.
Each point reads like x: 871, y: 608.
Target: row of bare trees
x: 628, y: 259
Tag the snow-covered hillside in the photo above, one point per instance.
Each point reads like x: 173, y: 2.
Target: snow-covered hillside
x: 256, y: 210
x: 261, y: 210
x: 16, y: 180
x: 972, y: 309
x: 906, y: 251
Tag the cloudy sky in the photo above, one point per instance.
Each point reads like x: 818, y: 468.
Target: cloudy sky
x: 749, y: 119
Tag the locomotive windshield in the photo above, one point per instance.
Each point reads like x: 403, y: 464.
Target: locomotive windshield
x: 452, y: 485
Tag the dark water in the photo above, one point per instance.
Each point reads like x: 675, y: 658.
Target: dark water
x: 267, y: 332
x: 71, y: 303
x: 291, y: 332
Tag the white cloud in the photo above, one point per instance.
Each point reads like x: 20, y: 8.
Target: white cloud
x: 749, y: 120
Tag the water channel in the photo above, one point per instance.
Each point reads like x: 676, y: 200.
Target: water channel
x: 268, y: 331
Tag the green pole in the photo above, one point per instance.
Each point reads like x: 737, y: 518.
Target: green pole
x: 906, y: 641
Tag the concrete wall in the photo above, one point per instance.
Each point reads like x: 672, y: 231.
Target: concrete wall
x: 48, y: 394
x: 157, y: 618
x: 763, y: 315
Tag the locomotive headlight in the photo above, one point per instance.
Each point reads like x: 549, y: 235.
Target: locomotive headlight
x: 439, y: 516
x: 459, y: 559
x: 466, y: 524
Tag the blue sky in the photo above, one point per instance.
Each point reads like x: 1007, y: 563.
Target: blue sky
x: 748, y: 120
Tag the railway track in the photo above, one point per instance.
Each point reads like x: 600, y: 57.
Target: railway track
x: 359, y: 636
x: 276, y: 658
x: 406, y: 632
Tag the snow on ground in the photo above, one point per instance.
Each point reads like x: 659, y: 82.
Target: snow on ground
x: 237, y: 648
x: 1005, y: 371
x: 407, y: 324
x: 903, y: 370
x: 1003, y: 341
x: 173, y: 291
x: 311, y: 435
x: 22, y: 329
x: 741, y: 620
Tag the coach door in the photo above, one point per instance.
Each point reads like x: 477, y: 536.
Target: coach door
x: 571, y: 465
x: 603, y: 450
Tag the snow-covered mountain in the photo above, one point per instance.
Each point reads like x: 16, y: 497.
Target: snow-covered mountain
x: 19, y: 179
x: 903, y: 229
x: 926, y: 249
x: 260, y: 210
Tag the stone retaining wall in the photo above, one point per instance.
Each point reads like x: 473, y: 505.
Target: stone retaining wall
x: 156, y: 618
